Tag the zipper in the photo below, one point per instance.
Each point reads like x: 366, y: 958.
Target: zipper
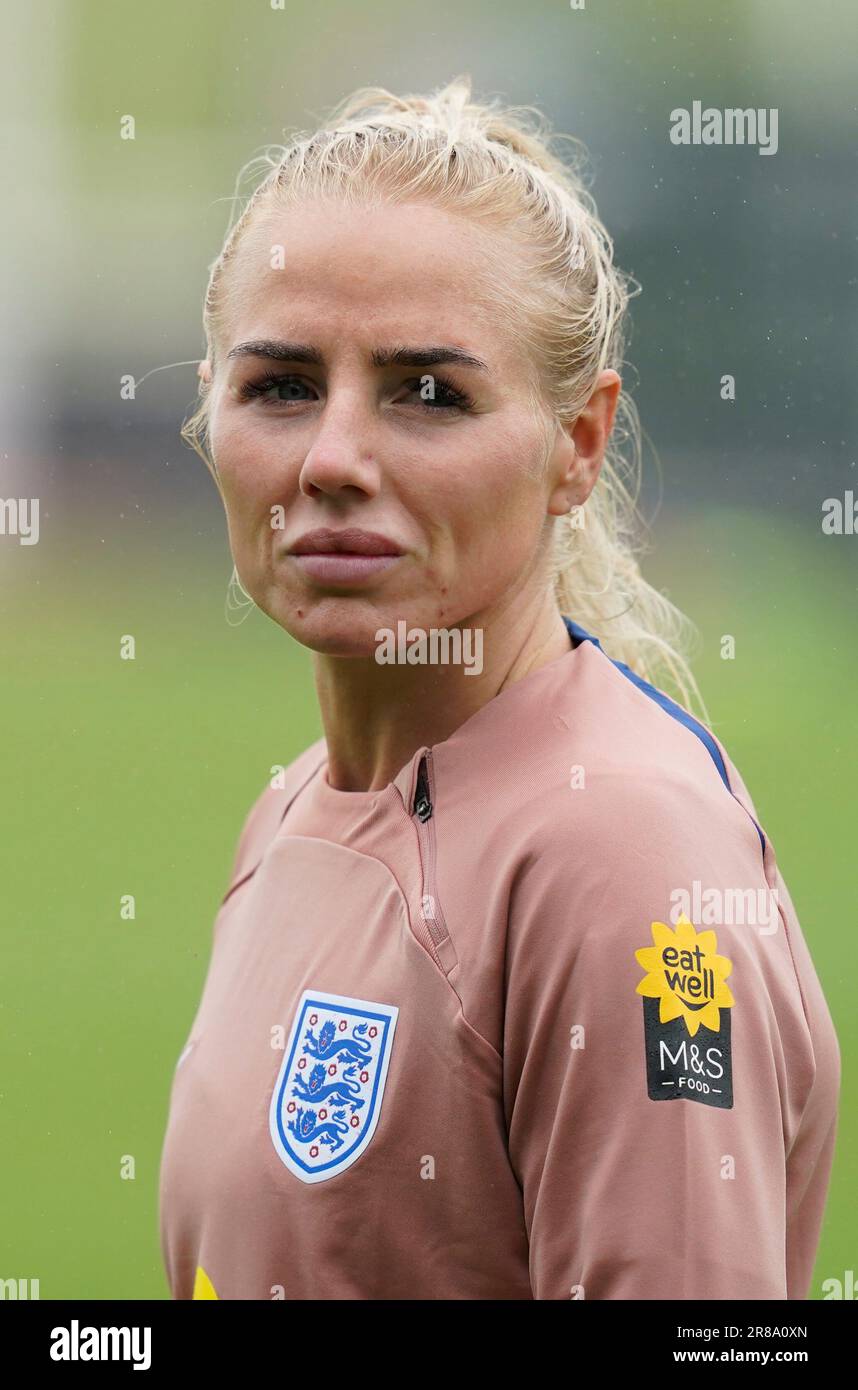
x: 424, y: 811
x: 422, y: 797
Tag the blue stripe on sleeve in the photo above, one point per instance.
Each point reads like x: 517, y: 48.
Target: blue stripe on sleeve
x: 578, y: 635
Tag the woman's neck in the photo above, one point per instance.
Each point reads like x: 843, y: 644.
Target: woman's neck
x: 375, y: 715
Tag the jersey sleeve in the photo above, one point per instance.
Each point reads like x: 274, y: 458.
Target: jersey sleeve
x: 257, y: 829
x: 659, y: 1063
x: 266, y: 813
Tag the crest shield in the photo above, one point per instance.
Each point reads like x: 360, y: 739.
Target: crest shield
x: 327, y: 1098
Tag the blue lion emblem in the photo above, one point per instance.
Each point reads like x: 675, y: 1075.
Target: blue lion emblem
x: 327, y: 1099
x: 355, y: 1049
x: 338, y: 1092
x: 306, y: 1128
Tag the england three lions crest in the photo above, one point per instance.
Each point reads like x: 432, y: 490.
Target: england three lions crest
x: 327, y: 1098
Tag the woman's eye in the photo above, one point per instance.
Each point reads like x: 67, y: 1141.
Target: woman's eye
x: 437, y: 394
x: 434, y: 393
x: 283, y: 387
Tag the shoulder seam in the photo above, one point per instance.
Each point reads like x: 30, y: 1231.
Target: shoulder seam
x: 259, y: 854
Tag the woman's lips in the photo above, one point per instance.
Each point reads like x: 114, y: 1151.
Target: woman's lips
x: 344, y: 555
x: 343, y: 566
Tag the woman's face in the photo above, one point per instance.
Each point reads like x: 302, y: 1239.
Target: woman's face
x: 455, y: 484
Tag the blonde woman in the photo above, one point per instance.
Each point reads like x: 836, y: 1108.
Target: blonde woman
x: 480, y: 1020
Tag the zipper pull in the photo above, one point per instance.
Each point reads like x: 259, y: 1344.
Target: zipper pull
x: 422, y: 804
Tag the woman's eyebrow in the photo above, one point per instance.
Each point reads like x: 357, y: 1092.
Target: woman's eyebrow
x: 381, y: 357
x: 426, y: 357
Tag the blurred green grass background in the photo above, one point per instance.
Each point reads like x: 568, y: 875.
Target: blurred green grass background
x: 134, y: 777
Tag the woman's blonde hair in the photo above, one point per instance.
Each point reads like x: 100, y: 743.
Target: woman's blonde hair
x: 499, y: 165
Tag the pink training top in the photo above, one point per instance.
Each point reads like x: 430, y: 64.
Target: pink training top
x: 536, y: 1021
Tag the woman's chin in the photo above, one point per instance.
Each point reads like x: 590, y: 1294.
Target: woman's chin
x: 334, y: 627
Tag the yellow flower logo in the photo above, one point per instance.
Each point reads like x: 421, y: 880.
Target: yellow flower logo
x: 203, y: 1286
x: 685, y: 972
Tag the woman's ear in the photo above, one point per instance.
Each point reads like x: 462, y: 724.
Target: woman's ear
x: 204, y: 371
x: 582, y: 445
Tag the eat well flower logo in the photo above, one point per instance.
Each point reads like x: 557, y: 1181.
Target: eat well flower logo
x: 686, y: 974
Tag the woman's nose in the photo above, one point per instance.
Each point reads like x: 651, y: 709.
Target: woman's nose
x: 343, y: 448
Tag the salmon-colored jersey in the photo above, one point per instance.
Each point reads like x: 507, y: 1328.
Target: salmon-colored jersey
x: 535, y: 1021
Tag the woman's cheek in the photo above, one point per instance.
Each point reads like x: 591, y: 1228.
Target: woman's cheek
x: 244, y: 485
x: 248, y: 518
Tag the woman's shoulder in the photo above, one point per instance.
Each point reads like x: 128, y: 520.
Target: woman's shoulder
x: 627, y: 768
x: 630, y: 838
x: 267, y: 811
x: 603, y: 798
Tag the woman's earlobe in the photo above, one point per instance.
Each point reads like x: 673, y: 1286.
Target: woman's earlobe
x: 204, y: 371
